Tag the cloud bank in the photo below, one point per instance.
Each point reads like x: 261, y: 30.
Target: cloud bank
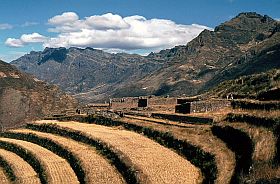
x: 111, y: 32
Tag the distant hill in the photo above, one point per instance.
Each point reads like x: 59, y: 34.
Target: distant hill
x: 86, y: 70
x: 247, y: 44
x: 23, y: 97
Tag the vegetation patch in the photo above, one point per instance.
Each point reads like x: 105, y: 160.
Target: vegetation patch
x: 268, y: 122
x: 28, y: 157
x: 271, y: 181
x: 205, y: 161
x: 7, y: 169
x: 128, y: 173
x: 272, y: 123
x: 183, y: 119
x: 55, y: 148
x: 240, y: 143
x: 255, y: 105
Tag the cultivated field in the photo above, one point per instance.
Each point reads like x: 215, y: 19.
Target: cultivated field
x: 240, y: 146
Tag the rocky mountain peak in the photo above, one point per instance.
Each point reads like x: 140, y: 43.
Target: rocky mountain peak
x: 247, y: 21
x: 56, y: 54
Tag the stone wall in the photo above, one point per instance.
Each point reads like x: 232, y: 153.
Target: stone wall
x: 124, y: 103
x: 132, y: 102
x: 202, y: 106
x: 209, y: 105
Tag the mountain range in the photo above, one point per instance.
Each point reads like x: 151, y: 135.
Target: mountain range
x: 247, y: 44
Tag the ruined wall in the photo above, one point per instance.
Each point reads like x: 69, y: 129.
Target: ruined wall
x: 209, y: 105
x: 132, y: 102
x: 202, y: 106
x: 162, y: 101
x: 124, y: 103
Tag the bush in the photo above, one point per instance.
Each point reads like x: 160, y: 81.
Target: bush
x: 255, y: 105
x: 254, y: 120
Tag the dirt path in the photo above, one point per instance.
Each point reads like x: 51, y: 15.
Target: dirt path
x: 153, y: 162
x: 23, y: 171
x: 98, y: 169
x: 57, y: 169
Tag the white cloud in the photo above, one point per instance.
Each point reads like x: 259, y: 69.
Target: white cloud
x: 33, y: 38
x: 13, y: 42
x: 65, y: 18
x: 25, y: 39
x: 107, y: 21
x: 113, y: 32
x: 5, y: 26
x: 278, y: 19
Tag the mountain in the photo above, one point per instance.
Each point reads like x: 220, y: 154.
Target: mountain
x: 24, y: 98
x: 88, y: 70
x: 247, y: 44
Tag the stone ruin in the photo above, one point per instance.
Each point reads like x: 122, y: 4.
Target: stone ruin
x: 141, y: 102
x: 182, y: 105
x: 187, y: 106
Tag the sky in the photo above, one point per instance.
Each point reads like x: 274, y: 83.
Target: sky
x: 133, y: 26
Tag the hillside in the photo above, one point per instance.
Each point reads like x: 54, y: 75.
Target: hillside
x: 257, y: 86
x: 23, y: 97
x: 247, y: 44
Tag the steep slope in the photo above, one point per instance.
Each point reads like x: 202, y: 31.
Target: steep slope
x: 247, y: 44
x: 23, y: 97
x: 264, y: 85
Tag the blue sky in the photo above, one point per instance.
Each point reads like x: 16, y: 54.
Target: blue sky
x: 112, y: 25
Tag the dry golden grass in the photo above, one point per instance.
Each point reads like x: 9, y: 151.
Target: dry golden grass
x: 258, y: 113
x: 58, y: 169
x: 153, y: 162
x: 263, y: 139
x: 97, y: 169
x: 22, y: 170
x: 3, y: 177
x: 262, y: 171
x: 216, y: 115
x: 199, y: 135
x: 264, y: 152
